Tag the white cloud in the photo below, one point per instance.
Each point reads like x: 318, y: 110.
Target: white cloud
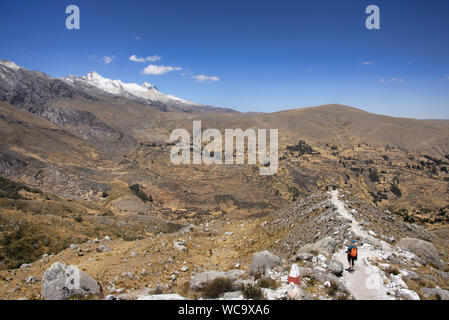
x: 382, y: 80
x: 367, y: 63
x: 446, y: 77
x: 147, y: 59
x: 397, y: 80
x: 90, y: 56
x: 156, y: 70
x: 138, y: 38
x: 107, y: 59
x: 202, y: 78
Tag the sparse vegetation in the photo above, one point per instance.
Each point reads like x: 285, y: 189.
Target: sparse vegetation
x: 392, y: 271
x: 267, y: 282
x: 10, y: 189
x: 137, y: 191
x: 332, y: 289
x: 216, y: 288
x: 253, y: 292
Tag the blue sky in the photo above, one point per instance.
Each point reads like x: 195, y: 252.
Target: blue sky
x: 267, y: 55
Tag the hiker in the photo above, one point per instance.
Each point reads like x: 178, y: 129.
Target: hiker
x: 352, y: 255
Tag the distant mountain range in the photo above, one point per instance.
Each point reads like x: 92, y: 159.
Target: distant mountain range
x: 25, y: 88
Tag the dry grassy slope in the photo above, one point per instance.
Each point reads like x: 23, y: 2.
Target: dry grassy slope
x: 336, y: 124
x: 34, y: 137
x: 329, y: 123
x: 217, y: 245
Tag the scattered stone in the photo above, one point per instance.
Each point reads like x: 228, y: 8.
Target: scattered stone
x: 130, y: 275
x: 103, y: 248
x: 179, y: 245
x: 408, y: 294
x: 437, y: 292
x: 32, y: 279
x: 304, y: 256
x: 185, y: 268
x: 387, y: 239
x: 235, y: 295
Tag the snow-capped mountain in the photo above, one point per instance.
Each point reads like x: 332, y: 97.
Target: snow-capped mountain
x: 146, y: 93
x: 29, y: 89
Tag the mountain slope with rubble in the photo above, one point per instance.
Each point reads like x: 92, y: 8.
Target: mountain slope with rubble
x: 252, y: 258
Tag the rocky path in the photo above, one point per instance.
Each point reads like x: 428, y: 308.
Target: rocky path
x: 366, y: 282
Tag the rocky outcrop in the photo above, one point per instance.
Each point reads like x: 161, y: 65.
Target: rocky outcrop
x: 129, y: 205
x: 423, y: 249
x: 199, y: 280
x: 262, y: 261
x: 324, y: 246
x: 435, y: 292
x: 335, y: 267
x: 61, y: 282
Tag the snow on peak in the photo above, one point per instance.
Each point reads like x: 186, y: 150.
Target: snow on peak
x: 149, y: 86
x: 9, y: 64
x: 146, y: 91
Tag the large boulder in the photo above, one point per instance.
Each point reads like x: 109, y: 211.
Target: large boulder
x: 324, y: 246
x: 335, y: 267
x: 262, y: 261
x: 61, y: 282
x: 423, y: 249
x: 199, y: 280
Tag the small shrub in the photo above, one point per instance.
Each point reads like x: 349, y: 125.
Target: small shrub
x: 108, y: 213
x: 259, y: 274
x: 216, y: 288
x: 267, y: 282
x: 374, y: 176
x: 392, y: 271
x: 396, y: 191
x: 253, y: 292
x: 332, y: 290
x: 184, y: 288
x: 136, y: 189
x: 343, y: 295
x: 78, y: 219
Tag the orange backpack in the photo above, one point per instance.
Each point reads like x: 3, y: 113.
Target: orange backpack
x: 353, y: 252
